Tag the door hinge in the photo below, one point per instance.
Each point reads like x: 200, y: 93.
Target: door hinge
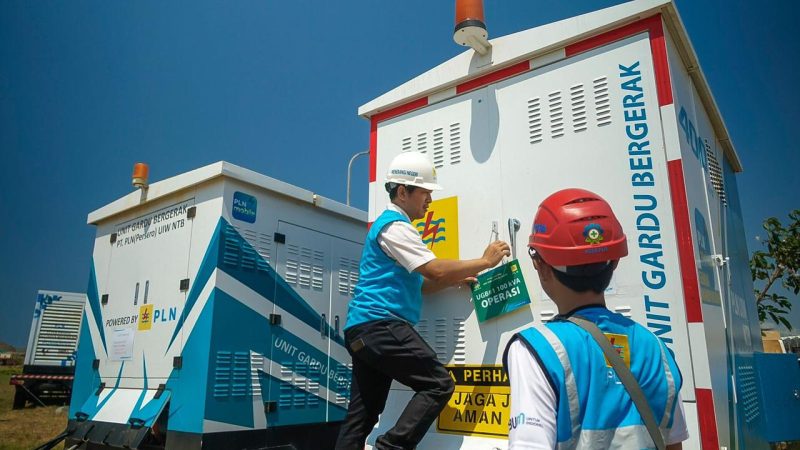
x: 184, y: 285
x: 720, y: 260
x: 279, y: 238
x: 274, y: 319
x: 113, y: 238
x: 270, y: 406
x: 191, y: 212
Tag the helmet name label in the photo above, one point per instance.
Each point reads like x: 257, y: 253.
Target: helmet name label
x: 410, y: 173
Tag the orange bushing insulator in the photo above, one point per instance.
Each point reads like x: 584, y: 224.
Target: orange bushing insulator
x: 469, y: 13
x: 140, y: 173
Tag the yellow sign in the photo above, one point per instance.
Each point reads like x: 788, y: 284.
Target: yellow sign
x: 145, y: 317
x: 480, y: 404
x: 620, y: 344
x: 439, y: 228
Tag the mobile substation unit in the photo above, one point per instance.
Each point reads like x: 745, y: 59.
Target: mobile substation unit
x: 49, y: 365
x: 214, y: 316
x: 615, y: 102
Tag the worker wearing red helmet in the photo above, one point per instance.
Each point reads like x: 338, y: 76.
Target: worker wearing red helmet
x: 565, y: 393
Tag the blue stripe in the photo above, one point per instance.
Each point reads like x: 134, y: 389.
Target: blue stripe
x: 84, y: 373
x: 289, y: 414
x: 271, y: 286
x: 203, y: 274
x: 190, y: 385
x: 144, y: 388
x: 94, y: 303
x: 339, y: 379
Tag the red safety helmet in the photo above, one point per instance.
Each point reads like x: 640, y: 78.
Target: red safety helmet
x: 574, y: 227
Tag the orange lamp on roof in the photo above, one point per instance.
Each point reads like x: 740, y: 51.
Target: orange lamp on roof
x: 470, y: 28
x: 140, y: 173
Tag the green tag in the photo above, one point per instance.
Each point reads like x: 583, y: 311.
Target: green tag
x: 499, y: 291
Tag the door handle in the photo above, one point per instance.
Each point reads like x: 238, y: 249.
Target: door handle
x: 513, y: 228
x: 336, y: 324
x: 322, y: 326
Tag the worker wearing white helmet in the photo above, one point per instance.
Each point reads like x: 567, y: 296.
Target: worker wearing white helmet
x: 396, y: 269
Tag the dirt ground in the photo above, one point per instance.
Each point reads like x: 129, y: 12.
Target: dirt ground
x: 28, y: 428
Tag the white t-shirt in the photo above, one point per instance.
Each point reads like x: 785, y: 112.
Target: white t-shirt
x: 532, y: 395
x: 401, y: 242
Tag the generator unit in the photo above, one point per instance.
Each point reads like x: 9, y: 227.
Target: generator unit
x: 49, y: 365
x: 615, y: 102
x: 214, y: 315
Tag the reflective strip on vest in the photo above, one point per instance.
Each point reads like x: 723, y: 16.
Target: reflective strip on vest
x: 622, y: 438
x: 670, y: 391
x: 569, y: 382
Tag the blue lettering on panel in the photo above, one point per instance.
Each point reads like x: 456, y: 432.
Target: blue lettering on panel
x: 696, y: 143
x: 643, y: 181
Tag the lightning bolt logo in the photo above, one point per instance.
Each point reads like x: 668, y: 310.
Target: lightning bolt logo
x: 438, y: 228
x: 620, y: 343
x: 430, y: 230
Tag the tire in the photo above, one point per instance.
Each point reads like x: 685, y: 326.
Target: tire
x: 20, y: 398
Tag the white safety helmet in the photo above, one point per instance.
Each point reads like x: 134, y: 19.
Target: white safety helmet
x: 412, y: 169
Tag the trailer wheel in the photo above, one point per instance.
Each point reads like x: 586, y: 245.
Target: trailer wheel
x: 20, y: 398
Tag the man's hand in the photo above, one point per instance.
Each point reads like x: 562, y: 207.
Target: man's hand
x: 442, y: 273
x: 495, y: 253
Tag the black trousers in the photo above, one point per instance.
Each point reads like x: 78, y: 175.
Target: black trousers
x: 383, y: 351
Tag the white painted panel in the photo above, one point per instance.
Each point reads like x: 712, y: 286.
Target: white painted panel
x: 559, y: 126
x: 118, y: 407
x: 345, y: 257
x: 693, y: 424
x: 584, y: 143
x: 701, y: 157
x: 467, y: 168
x: 148, y: 261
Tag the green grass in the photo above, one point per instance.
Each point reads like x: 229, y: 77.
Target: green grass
x: 27, y: 428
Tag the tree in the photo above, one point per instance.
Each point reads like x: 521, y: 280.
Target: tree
x: 780, y: 262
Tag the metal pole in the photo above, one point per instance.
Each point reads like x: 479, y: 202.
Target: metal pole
x: 349, y: 168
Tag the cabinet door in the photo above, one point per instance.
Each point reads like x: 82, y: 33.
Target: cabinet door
x: 460, y: 136
x: 303, y: 266
x: 146, y: 295
x: 345, y: 258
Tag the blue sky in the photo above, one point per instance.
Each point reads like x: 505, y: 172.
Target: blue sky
x: 88, y: 88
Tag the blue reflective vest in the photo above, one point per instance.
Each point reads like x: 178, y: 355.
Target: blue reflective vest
x: 594, y: 410
x: 385, y: 289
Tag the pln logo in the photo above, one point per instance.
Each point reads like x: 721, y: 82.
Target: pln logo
x: 145, y: 317
x: 620, y: 344
x: 439, y: 228
x: 148, y: 315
